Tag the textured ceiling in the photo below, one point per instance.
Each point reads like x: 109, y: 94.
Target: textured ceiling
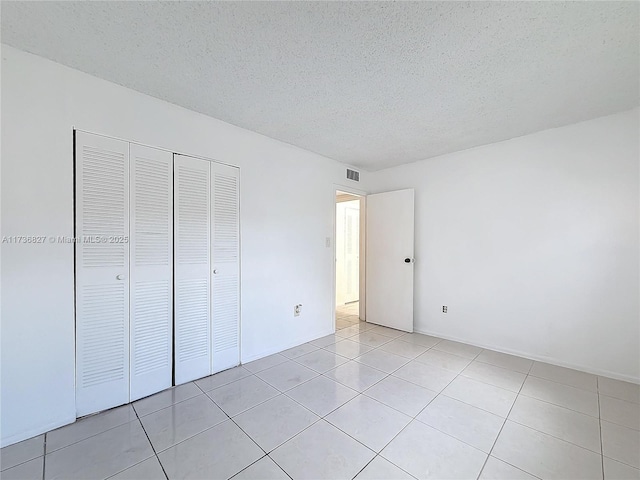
x: 373, y: 84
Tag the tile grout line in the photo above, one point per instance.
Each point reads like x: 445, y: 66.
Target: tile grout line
x: 330, y: 424
x: 279, y: 466
x: 386, y: 460
x: 229, y: 417
x: 619, y: 399
x: 95, y: 434
x: 416, y: 416
x: 560, y: 383
x: 283, y: 391
x: 564, y: 407
x: 502, y: 428
x: 324, y: 417
x: 212, y: 426
x: 153, y: 448
x: 239, y: 427
x: 44, y: 455
x: 171, y: 405
x: 600, y: 426
x: 564, y: 385
x: 293, y: 400
x: 266, y: 455
x: 234, y: 381
x: 493, y: 385
x: 319, y: 419
x: 331, y: 411
x: 409, y: 423
x: 499, y: 433
x: 558, y: 405
x: 387, y: 375
x: 358, y: 393
x: 554, y: 436
x: 206, y: 429
x: 280, y: 393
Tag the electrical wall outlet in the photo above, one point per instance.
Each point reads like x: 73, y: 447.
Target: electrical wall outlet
x: 297, y: 310
x: 444, y: 309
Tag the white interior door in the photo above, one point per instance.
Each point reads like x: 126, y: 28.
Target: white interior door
x: 347, y: 251
x: 340, y: 250
x: 102, y: 273
x: 151, y: 297
x: 225, y: 280
x: 389, y: 259
x: 352, y: 251
x: 192, y: 268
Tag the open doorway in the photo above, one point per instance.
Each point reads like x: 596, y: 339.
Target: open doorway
x: 349, y: 259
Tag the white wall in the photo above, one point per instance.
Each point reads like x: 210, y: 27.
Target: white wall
x: 533, y: 244
x: 287, y: 202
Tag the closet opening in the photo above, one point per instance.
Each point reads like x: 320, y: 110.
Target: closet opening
x: 157, y: 270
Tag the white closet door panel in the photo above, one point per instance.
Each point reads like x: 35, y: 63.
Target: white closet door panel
x: 102, y: 273
x: 192, y: 268
x: 225, y: 285
x: 151, y: 338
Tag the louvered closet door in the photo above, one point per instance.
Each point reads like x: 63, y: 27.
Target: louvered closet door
x: 151, y: 311
x: 102, y: 273
x: 192, y: 268
x: 225, y: 284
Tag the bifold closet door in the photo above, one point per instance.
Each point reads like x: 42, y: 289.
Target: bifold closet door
x: 151, y: 305
x: 225, y: 283
x: 102, y: 273
x: 192, y: 268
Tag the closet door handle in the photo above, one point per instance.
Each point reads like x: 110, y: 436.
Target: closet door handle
x: 215, y: 272
x: 120, y: 277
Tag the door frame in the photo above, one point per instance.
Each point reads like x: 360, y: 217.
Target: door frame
x: 363, y: 243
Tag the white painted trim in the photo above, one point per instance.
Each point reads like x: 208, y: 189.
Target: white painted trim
x: 362, y: 281
x: 538, y: 358
x: 158, y: 148
x: 37, y: 431
x: 348, y: 189
x: 363, y: 290
x: 295, y: 343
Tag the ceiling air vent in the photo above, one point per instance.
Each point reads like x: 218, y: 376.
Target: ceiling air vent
x: 353, y: 175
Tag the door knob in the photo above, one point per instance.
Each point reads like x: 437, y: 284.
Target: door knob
x: 407, y: 260
x: 120, y: 277
x: 215, y: 272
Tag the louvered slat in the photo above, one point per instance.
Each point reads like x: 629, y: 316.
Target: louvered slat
x: 103, y: 355
x: 151, y: 349
x: 193, y: 304
x: 103, y: 205
x: 151, y: 270
x: 102, y: 300
x: 226, y: 254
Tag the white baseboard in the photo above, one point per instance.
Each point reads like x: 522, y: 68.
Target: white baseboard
x: 539, y: 358
x: 6, y: 441
x: 281, y: 348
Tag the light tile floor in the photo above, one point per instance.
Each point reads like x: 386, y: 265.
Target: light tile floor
x: 347, y: 315
x: 365, y: 403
